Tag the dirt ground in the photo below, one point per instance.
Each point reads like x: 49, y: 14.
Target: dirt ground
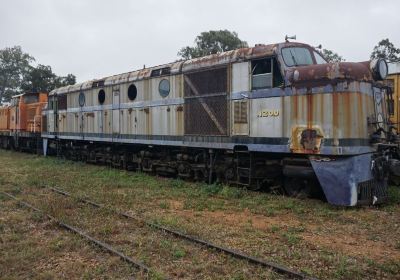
x: 310, y: 236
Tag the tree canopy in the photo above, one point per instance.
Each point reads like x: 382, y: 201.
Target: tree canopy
x: 14, y: 67
x: 212, y: 42
x: 42, y: 79
x: 385, y: 49
x: 332, y: 56
x: 18, y: 75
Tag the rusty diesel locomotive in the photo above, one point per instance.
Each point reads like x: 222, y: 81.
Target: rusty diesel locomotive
x: 261, y: 117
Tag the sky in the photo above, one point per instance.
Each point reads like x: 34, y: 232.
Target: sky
x: 97, y: 38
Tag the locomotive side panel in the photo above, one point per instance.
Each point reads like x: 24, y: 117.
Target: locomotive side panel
x: 240, y: 109
x: 267, y: 117
x: 4, y: 118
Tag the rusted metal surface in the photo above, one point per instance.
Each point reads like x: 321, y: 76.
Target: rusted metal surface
x: 313, y: 74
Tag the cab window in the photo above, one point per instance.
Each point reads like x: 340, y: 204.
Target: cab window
x: 296, y: 56
x: 319, y: 59
x: 265, y: 73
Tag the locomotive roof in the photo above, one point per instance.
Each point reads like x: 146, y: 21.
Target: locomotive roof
x: 184, y: 66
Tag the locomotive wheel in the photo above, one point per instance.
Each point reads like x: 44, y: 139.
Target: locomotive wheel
x: 297, y: 187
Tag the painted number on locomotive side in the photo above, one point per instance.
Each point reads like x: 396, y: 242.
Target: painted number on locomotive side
x: 268, y: 113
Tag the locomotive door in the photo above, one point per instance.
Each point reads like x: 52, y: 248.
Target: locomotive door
x: 379, y: 101
x: 55, y: 116
x: 81, y: 101
x: 240, y: 108
x: 115, y: 112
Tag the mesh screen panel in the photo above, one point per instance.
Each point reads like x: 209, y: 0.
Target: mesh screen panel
x: 206, y: 106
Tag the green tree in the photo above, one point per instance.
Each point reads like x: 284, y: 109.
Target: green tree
x: 212, y: 42
x: 17, y: 74
x: 331, y: 56
x: 385, y: 49
x: 42, y: 79
x: 14, y: 67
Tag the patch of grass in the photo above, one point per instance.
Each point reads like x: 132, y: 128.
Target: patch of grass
x: 164, y: 205
x: 155, y: 275
x: 212, y: 189
x: 274, y: 228
x: 38, y: 217
x: 291, y: 238
x: 243, y: 218
x: 57, y: 244
x: 16, y: 190
x: 232, y: 192
x: 347, y: 269
x: 165, y: 244
x: 292, y: 235
x: 391, y: 267
x: 394, y: 195
x: 179, y: 253
x: 177, y: 183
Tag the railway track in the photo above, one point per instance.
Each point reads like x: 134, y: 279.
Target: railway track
x: 285, y: 271
x: 81, y: 233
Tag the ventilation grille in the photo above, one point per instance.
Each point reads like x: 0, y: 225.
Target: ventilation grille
x: 240, y: 111
x: 206, y: 106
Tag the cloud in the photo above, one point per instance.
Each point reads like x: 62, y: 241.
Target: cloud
x: 93, y: 39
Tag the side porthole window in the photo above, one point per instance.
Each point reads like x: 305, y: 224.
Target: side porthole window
x: 132, y: 92
x: 81, y: 99
x: 101, y: 96
x: 164, y: 88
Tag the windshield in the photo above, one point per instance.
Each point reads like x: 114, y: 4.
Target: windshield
x: 297, y: 56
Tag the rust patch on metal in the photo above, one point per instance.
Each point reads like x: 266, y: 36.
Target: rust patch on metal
x: 306, y: 140
x: 310, y: 109
x: 319, y: 74
x: 335, y: 117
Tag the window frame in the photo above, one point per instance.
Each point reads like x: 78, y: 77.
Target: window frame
x: 274, y: 72
x: 136, y: 92
x: 169, y: 88
x: 98, y: 96
x: 315, y: 54
x: 298, y: 47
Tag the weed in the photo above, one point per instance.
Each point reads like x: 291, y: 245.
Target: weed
x: 292, y: 238
x: 179, y: 253
x: 274, y: 228
x: 212, y: 189
x: 178, y: 183
x: 155, y: 275
x: 57, y: 245
x: 232, y: 192
x: 166, y: 244
x: 37, y: 217
x: 164, y: 205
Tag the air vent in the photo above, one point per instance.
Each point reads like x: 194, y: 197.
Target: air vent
x: 240, y: 111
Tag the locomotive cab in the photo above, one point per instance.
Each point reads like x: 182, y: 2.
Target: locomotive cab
x: 338, y: 120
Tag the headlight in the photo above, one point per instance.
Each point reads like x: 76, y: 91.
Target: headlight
x: 379, y: 69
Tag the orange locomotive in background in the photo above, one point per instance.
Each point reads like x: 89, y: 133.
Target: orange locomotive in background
x: 21, y: 121
x: 26, y: 112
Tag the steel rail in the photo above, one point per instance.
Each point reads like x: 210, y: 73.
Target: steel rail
x: 79, y: 232
x: 239, y: 255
